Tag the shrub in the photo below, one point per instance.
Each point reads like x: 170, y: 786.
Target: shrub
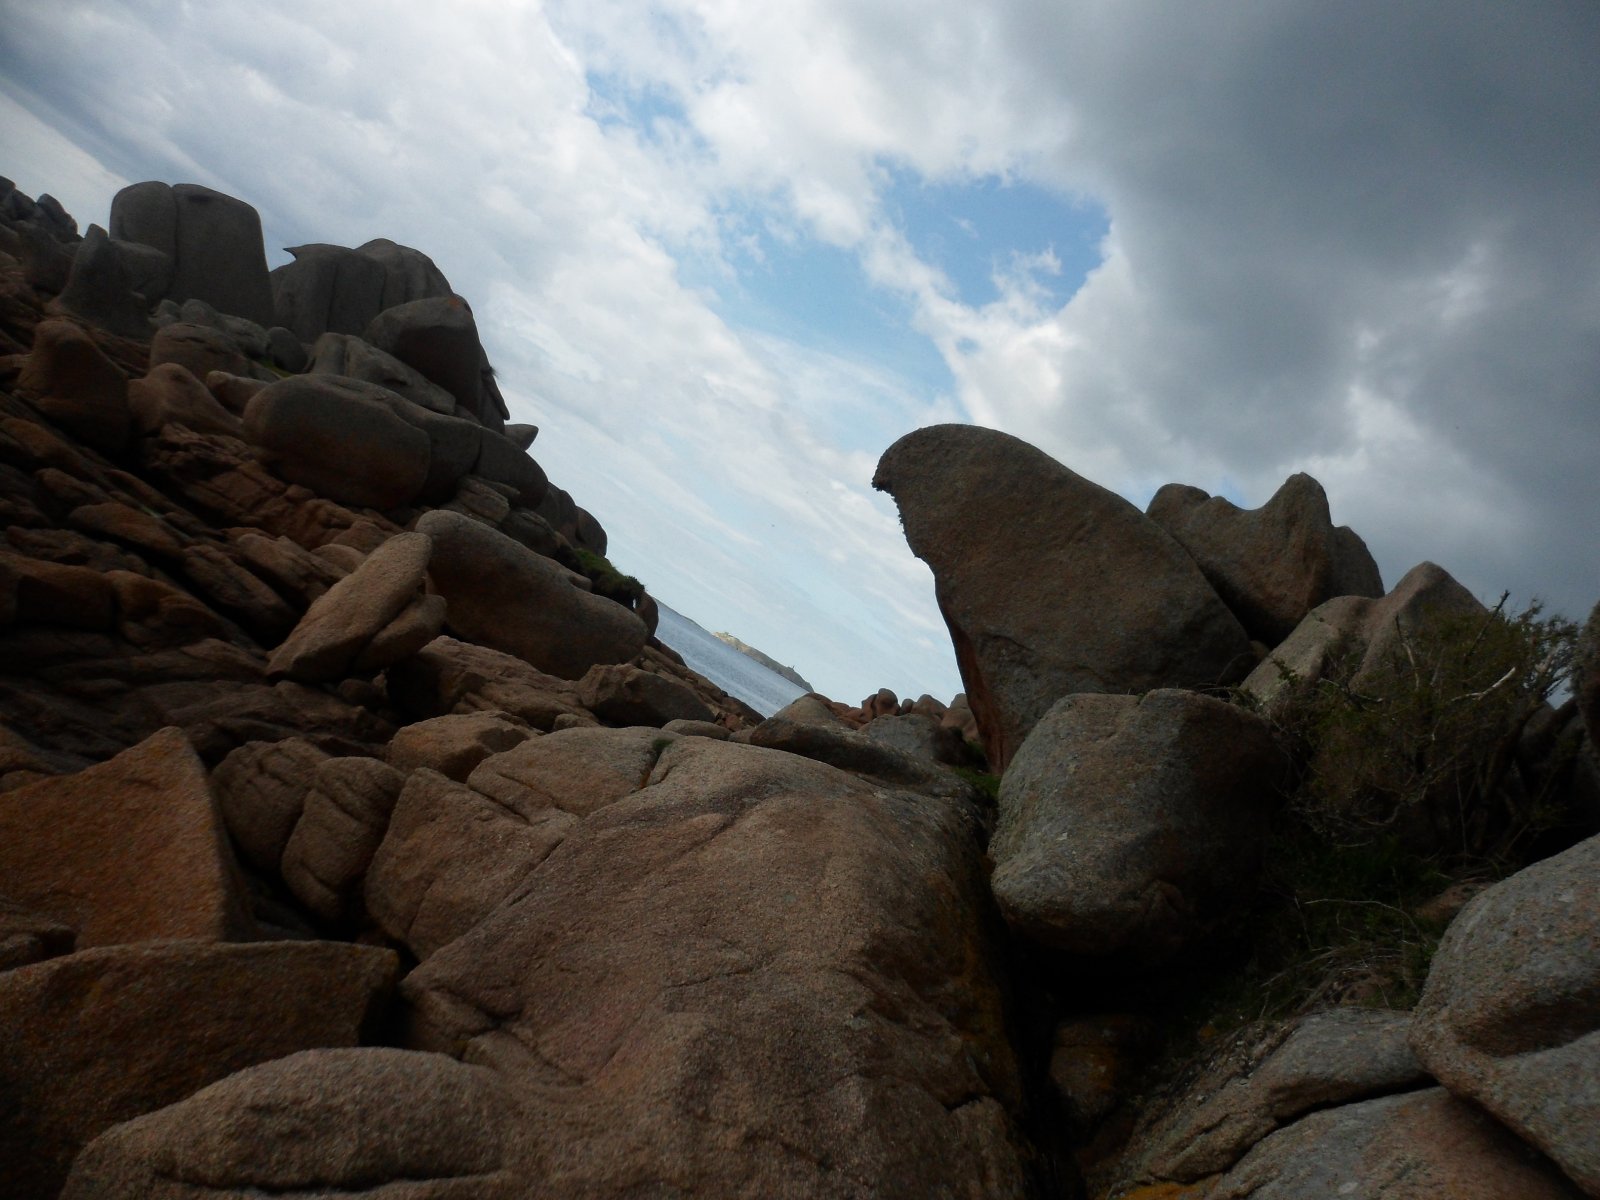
x: 608, y: 581
x: 1421, y: 745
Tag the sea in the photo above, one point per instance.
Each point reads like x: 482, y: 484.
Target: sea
x: 734, y: 672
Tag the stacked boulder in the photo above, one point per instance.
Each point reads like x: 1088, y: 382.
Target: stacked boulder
x: 353, y: 838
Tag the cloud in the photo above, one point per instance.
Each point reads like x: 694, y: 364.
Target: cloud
x: 1354, y: 239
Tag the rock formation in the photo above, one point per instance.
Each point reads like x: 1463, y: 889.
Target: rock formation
x: 357, y: 835
x: 1113, y: 603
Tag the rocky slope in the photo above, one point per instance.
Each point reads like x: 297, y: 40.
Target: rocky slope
x: 356, y: 836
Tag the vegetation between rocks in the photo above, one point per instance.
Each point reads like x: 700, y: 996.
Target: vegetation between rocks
x: 1406, y: 799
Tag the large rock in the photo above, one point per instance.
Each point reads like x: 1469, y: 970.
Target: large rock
x: 451, y: 856
x: 455, y: 743
x: 506, y: 597
x: 101, y: 1036
x: 439, y: 338
x: 214, y: 241
x: 1510, y: 1015
x: 755, y: 975
x: 625, y: 695
x: 201, y: 349
x: 340, y: 441
x: 1330, y: 1058
x: 327, y: 289
x: 321, y: 1122
x: 1423, y: 1145
x: 343, y: 818
x: 261, y: 788
x: 1050, y: 584
x: 1274, y: 564
x: 1131, y: 825
x: 345, y: 354
x: 171, y: 394
x: 127, y: 851
x: 451, y: 676
x: 1368, y: 633
x: 71, y: 381
x: 100, y: 288
x: 342, y: 623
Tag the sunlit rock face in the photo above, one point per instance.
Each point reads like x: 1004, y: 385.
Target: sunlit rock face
x: 1051, y: 584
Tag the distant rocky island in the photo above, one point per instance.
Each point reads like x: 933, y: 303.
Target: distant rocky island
x: 358, y: 835
x: 765, y: 660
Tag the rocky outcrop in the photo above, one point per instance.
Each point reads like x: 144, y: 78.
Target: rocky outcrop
x: 504, y: 596
x: 1368, y: 632
x: 696, y: 985
x: 647, y: 942
x: 1274, y: 564
x: 213, y: 240
x: 1112, y: 603
x: 1423, y: 1144
x: 1510, y: 1019
x: 325, y: 1122
x: 97, y: 1037
x: 1131, y: 825
x: 130, y: 850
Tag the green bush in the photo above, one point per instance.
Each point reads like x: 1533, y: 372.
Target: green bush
x: 1405, y: 785
x: 608, y: 581
x: 1421, y: 745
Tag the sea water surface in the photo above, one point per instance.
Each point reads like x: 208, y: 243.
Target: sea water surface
x: 735, y: 673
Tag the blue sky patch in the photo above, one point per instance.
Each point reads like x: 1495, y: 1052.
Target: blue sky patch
x: 971, y: 230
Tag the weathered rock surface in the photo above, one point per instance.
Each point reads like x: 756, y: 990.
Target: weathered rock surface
x: 455, y: 743
x: 705, y: 1016
x: 625, y: 695
x: 98, y: 1037
x: 214, y: 242
x: 349, y: 356
x: 321, y: 1122
x: 70, y: 380
x: 1510, y: 1016
x: 1331, y: 1058
x: 1424, y: 1145
x: 341, y: 625
x: 170, y: 393
x: 920, y: 736
x: 1369, y: 631
x: 343, y: 817
x: 100, y: 288
x: 504, y: 596
x: 437, y: 337
x: 130, y: 850
x: 1130, y: 825
x: 339, y: 441
x: 1274, y: 564
x: 261, y: 788
x: 1109, y: 602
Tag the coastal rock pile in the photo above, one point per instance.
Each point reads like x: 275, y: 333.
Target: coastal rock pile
x: 357, y: 835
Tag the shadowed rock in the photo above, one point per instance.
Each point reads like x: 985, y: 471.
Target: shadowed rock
x: 214, y: 241
x: 1274, y: 564
x: 1510, y: 1016
x: 504, y: 596
x: 1131, y: 825
x: 1050, y: 584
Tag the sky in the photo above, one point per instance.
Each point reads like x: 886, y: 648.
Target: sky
x: 724, y: 253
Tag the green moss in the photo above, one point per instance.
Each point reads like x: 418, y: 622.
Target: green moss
x: 986, y: 783
x: 607, y: 580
